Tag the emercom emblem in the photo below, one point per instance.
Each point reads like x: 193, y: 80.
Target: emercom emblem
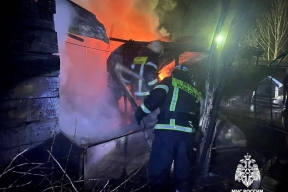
x: 247, y: 172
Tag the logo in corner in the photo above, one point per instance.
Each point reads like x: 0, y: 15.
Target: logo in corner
x: 247, y: 172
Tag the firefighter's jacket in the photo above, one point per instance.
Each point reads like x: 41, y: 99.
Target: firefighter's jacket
x: 179, y: 104
x: 146, y: 65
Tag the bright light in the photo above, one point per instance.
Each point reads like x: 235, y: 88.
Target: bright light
x: 219, y: 39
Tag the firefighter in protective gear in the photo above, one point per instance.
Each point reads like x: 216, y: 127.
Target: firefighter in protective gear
x: 146, y: 65
x: 179, y: 103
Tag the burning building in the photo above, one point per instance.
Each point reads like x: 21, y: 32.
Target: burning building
x: 54, y: 93
x: 33, y: 82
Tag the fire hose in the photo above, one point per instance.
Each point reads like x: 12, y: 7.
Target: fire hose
x: 127, y: 92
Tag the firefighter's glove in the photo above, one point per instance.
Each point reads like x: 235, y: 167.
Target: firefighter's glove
x: 138, y: 116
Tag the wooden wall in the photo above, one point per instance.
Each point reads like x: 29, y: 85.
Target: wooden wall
x: 29, y: 76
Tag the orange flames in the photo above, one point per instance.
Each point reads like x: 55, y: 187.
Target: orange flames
x: 166, y: 71
x: 85, y: 96
x: 86, y: 84
x: 124, y: 19
x: 84, y: 91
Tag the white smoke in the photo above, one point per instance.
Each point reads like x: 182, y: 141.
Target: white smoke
x: 84, y: 95
x: 84, y: 110
x: 63, y: 18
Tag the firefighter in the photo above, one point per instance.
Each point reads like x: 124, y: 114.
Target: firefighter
x: 146, y: 65
x: 121, y: 55
x: 178, y: 120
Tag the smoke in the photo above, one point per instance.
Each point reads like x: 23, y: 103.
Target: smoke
x: 165, y: 6
x: 84, y: 98
x: 132, y: 19
x: 63, y: 18
x: 85, y: 112
x: 125, y: 19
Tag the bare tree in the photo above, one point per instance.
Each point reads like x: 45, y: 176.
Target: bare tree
x: 271, y: 30
x: 218, y: 67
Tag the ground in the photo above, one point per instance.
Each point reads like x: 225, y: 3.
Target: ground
x: 264, y: 144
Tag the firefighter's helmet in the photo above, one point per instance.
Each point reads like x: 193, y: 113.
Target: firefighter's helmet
x: 182, y: 69
x: 156, y: 46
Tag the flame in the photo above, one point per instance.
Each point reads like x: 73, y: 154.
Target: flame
x: 83, y: 81
x: 126, y: 19
x: 83, y: 89
x: 189, y: 58
x: 166, y: 71
x: 123, y: 19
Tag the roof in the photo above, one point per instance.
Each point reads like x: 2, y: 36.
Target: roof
x: 267, y: 62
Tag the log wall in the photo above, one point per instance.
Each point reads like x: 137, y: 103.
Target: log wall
x: 29, y: 77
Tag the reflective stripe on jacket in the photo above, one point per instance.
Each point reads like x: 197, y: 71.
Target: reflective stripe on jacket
x: 146, y: 66
x: 174, y: 96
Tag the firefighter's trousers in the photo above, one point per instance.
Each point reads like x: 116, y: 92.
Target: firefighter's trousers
x: 169, y: 145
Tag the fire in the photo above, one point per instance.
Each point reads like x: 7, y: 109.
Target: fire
x: 189, y: 58
x: 83, y: 80
x: 166, y: 71
x: 125, y: 19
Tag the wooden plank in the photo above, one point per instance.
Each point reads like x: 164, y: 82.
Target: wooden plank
x: 86, y: 24
x: 26, y: 134
x: 22, y: 66
x: 34, y: 36
x: 43, y: 9
x: 30, y: 23
x: 48, y: 6
x: 26, y: 64
x: 25, y: 137
x: 33, y: 46
x: 35, y: 87
x: 15, y: 113
x: 29, y: 9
